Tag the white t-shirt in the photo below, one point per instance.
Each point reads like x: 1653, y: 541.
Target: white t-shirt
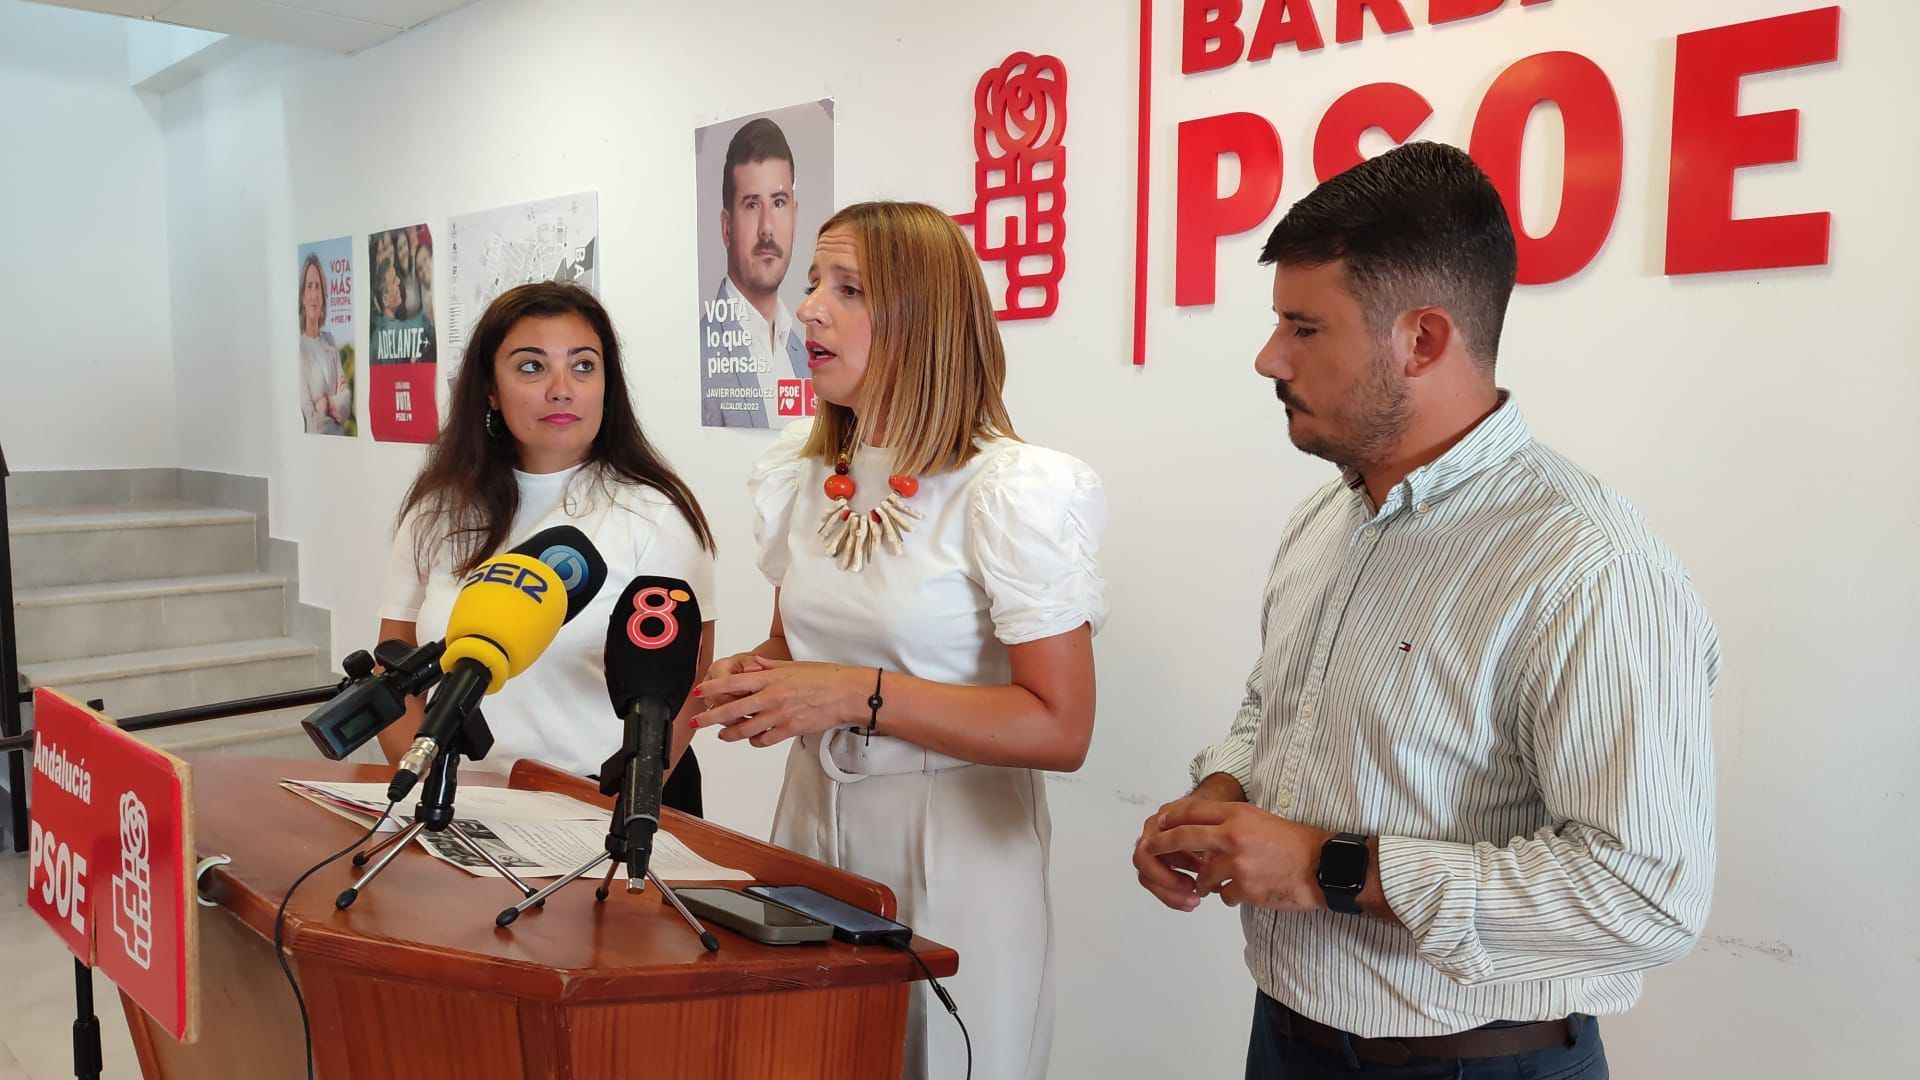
x: 557, y: 711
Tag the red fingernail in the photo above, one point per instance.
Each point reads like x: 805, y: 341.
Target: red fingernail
x: 696, y: 691
x: 693, y: 722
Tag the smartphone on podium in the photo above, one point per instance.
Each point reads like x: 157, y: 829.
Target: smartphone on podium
x: 850, y: 924
x: 754, y: 917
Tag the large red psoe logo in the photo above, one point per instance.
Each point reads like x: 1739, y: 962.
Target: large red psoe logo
x: 1020, y: 180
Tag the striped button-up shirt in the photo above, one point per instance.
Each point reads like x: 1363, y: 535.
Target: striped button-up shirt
x: 1505, y: 676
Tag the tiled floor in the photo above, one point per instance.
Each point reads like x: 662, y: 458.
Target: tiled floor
x: 36, y: 995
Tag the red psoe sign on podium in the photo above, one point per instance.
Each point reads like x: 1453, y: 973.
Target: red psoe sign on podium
x: 61, y: 829
x: 112, y: 858
x: 146, y: 935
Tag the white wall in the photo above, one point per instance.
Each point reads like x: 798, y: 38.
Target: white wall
x: 87, y: 366
x: 153, y: 47
x: 1763, y: 422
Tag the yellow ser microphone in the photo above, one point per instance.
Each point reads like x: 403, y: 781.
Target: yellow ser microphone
x: 504, y: 617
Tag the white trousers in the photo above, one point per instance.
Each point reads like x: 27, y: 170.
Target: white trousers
x: 964, y: 849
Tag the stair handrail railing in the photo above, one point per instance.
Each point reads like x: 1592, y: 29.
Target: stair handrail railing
x: 11, y: 697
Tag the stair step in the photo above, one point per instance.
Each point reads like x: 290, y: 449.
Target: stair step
x: 75, y: 545
x: 142, y: 682
x: 67, y: 487
x: 65, y: 622
x: 34, y: 520
x: 160, y: 661
x: 100, y: 592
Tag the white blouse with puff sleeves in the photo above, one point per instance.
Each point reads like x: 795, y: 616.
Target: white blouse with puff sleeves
x: 1006, y: 553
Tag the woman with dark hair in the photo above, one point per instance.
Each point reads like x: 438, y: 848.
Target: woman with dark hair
x: 540, y: 432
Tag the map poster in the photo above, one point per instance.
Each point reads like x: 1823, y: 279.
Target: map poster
x: 401, y: 388
x: 765, y: 185
x: 494, y: 250
x: 326, y: 375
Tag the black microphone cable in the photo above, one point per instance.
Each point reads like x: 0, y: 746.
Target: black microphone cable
x: 280, y: 928
x: 904, y: 944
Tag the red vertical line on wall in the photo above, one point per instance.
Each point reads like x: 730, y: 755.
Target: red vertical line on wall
x: 1142, y: 186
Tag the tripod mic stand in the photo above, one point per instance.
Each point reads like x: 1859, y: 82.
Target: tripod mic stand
x: 434, y: 812
x: 627, y: 775
x: 613, y: 856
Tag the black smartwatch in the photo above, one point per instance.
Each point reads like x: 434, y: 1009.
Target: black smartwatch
x: 1343, y: 872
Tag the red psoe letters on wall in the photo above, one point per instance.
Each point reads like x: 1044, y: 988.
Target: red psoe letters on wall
x: 1712, y: 141
x: 1590, y: 184
x: 1397, y: 110
x: 1202, y: 215
x: 1348, y: 25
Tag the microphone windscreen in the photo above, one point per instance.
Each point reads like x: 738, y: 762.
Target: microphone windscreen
x: 653, y: 643
x: 506, y: 616
x: 571, y: 555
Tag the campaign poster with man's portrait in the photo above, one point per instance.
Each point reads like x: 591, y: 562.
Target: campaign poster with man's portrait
x: 765, y: 187
x: 401, y: 341
x: 326, y: 374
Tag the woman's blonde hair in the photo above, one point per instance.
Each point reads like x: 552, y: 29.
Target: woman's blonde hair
x: 936, y: 367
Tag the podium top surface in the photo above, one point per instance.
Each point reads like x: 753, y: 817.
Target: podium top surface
x: 425, y: 920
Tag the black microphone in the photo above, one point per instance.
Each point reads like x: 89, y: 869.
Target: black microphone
x: 653, y: 658
x: 369, y: 704
x: 571, y: 555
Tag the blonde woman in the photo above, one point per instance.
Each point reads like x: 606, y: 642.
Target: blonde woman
x: 937, y: 592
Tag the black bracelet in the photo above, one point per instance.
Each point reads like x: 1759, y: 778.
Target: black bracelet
x: 874, y: 703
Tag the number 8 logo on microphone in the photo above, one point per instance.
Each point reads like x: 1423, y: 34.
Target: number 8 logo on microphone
x: 656, y: 604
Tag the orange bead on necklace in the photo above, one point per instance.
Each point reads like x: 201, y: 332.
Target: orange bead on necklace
x: 854, y: 537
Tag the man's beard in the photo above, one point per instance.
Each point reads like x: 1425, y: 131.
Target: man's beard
x: 1365, y: 427
x: 763, y: 277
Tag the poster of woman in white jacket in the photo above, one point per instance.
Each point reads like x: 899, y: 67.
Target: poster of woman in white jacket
x: 326, y: 338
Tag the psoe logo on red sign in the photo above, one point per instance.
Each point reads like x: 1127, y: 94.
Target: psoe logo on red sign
x: 133, y: 885
x: 793, y: 397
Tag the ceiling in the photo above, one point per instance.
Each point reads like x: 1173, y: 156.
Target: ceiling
x: 342, y: 26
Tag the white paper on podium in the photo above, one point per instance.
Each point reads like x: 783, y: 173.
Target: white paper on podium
x: 363, y: 802
x: 536, y: 834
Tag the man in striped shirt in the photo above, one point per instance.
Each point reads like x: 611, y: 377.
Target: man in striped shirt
x: 1468, y: 797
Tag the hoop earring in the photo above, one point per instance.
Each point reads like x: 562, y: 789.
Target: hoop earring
x: 496, y: 423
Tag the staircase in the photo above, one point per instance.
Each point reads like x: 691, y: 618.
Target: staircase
x: 150, y: 601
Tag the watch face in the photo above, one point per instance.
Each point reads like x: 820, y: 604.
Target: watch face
x: 1343, y: 864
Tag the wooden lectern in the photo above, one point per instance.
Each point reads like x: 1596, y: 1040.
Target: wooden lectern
x: 415, y: 982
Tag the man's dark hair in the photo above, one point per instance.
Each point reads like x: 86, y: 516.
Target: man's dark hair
x: 756, y: 141
x: 1419, y: 225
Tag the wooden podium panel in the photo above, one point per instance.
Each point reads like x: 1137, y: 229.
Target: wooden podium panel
x: 415, y: 982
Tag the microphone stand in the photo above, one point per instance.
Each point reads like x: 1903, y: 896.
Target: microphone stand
x: 624, y: 776
x: 434, y: 811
